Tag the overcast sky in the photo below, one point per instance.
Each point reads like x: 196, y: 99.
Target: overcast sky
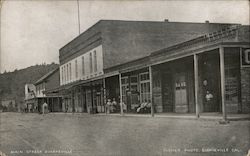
x: 32, y: 32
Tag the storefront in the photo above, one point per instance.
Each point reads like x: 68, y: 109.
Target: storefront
x: 84, y: 97
x: 54, y: 103
x: 173, y: 86
x: 207, y: 74
x: 135, y: 88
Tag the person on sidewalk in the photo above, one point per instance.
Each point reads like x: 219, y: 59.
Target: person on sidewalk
x: 108, y: 105
x: 113, y: 106
x: 123, y: 106
x: 44, y: 108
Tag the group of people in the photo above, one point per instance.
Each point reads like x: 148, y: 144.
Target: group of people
x: 113, y: 106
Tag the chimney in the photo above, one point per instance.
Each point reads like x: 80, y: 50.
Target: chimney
x: 166, y: 20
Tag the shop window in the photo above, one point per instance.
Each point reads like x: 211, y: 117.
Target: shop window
x: 125, y: 88
x: 231, y: 84
x: 144, y: 87
x: 124, y: 80
x: 134, y: 79
x: 144, y: 76
x: 134, y: 91
x: 232, y: 72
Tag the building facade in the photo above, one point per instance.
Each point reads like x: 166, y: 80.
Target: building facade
x: 39, y: 93
x: 30, y: 98
x: 114, y: 59
x: 8, y: 105
x: 209, y: 73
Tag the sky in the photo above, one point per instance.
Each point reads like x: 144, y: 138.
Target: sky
x: 32, y: 32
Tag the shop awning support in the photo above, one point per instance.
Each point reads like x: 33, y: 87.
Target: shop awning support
x: 120, y: 85
x: 151, y: 90
x: 104, y: 94
x: 222, y: 78
x: 196, y: 86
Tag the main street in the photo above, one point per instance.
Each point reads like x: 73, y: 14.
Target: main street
x: 84, y: 134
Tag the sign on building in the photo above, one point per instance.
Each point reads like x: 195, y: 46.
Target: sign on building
x: 245, y: 57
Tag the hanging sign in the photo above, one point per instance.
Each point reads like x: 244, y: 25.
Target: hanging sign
x: 245, y: 57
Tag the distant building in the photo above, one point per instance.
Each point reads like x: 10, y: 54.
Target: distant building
x: 30, y: 97
x: 9, y: 105
x: 119, y: 60
x: 36, y: 95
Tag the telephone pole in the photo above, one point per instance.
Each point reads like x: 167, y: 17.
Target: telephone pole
x: 78, y: 13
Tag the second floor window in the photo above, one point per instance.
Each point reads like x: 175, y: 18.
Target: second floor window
x: 61, y: 75
x: 67, y: 71
x: 95, y: 62
x: 90, y: 63
x: 83, y: 68
x: 76, y: 68
x: 64, y: 74
x: 70, y: 72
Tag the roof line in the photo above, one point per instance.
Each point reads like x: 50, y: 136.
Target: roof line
x: 46, y: 76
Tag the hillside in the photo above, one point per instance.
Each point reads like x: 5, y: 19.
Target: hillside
x: 12, y: 83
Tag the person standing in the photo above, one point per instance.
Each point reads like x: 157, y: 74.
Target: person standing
x: 108, y: 105
x: 45, y: 107
x: 114, y: 105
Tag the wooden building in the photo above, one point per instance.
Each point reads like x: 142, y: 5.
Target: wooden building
x: 210, y: 73
x: 114, y: 59
x: 40, y: 92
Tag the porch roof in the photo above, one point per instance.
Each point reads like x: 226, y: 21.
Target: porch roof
x: 130, y: 66
x: 73, y: 84
x: 233, y: 35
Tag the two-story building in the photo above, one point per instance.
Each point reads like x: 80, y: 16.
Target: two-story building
x: 38, y: 93
x: 30, y: 98
x: 86, y: 80
x: 44, y: 84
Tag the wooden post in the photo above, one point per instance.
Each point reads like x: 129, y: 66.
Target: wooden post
x: 104, y: 94
x: 196, y: 85
x: 72, y: 100
x: 59, y: 104
x: 120, y: 85
x: 151, y: 90
x: 52, y: 104
x: 222, y: 82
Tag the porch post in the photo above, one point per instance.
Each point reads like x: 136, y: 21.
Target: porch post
x: 52, y: 104
x: 104, y: 94
x: 196, y: 85
x: 58, y: 104
x: 120, y: 85
x: 151, y: 90
x: 222, y: 80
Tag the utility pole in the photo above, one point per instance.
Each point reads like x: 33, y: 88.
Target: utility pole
x: 78, y: 13
x: 1, y: 3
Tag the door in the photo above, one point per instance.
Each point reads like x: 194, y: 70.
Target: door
x: 181, y: 102
x: 210, y: 81
x: 89, y: 100
x: 99, y: 100
x: 167, y: 92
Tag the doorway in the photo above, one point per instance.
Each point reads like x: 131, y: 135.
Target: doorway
x: 210, y: 81
x: 180, y: 89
